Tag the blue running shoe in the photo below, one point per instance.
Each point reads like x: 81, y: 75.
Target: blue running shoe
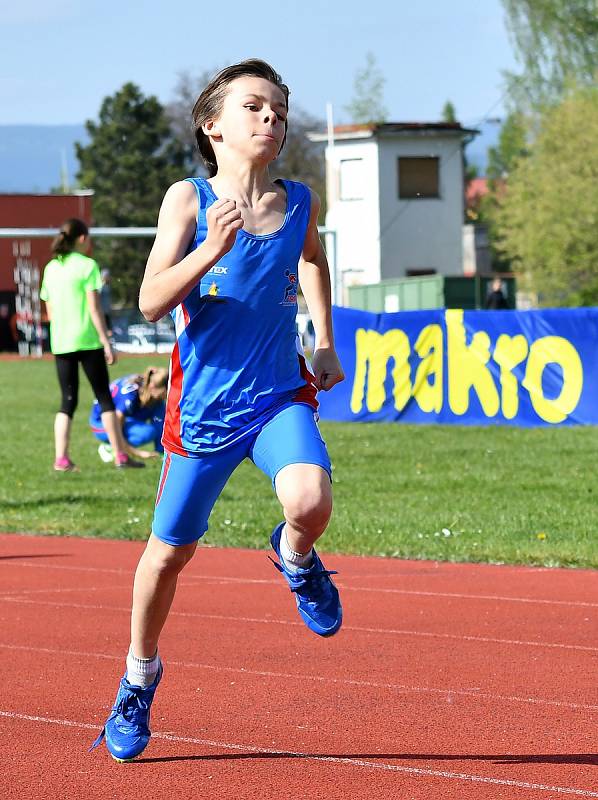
x: 127, y: 730
x: 317, y: 597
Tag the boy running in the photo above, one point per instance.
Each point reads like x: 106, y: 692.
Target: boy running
x: 228, y: 255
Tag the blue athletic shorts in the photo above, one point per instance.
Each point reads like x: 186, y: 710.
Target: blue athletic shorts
x: 189, y: 486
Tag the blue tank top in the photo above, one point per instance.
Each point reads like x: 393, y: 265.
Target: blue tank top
x: 125, y: 394
x: 237, y: 357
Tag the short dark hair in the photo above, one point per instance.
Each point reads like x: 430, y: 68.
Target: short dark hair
x: 70, y: 231
x: 210, y: 101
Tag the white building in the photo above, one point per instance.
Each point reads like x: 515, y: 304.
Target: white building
x: 395, y: 194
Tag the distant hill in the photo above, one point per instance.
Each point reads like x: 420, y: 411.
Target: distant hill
x: 31, y: 155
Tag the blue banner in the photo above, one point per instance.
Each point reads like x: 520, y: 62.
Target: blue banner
x: 525, y: 368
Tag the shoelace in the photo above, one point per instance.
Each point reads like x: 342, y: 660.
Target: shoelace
x: 312, y: 582
x: 130, y: 705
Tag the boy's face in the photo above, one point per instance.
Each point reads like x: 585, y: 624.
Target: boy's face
x: 252, y: 121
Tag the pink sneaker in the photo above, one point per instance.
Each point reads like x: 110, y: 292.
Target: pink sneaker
x: 65, y: 464
x: 124, y: 461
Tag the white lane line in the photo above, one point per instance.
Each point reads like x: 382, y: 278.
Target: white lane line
x: 22, y: 592
x: 354, y: 762
x: 415, y: 592
x: 492, y: 597
x: 352, y: 628
x: 188, y: 578
x: 67, y: 567
x: 395, y: 687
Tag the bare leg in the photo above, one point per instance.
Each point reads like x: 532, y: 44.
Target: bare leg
x: 62, y: 434
x: 305, y: 493
x: 153, y: 592
x: 114, y: 431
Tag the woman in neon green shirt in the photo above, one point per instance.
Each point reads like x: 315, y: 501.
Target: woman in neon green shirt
x: 71, y: 289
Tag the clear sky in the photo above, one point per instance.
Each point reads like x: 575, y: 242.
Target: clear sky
x: 60, y: 58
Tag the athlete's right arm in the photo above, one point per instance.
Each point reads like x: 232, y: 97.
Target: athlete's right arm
x: 133, y: 451
x: 170, y: 274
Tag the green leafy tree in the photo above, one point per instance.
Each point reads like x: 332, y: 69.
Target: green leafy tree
x: 449, y: 113
x: 130, y: 161
x: 548, y: 217
x: 556, y: 42
x: 367, y: 105
x: 512, y: 145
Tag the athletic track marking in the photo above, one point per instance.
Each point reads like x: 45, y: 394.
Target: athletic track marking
x: 353, y: 628
x: 189, y: 577
x: 355, y: 762
x: 397, y: 687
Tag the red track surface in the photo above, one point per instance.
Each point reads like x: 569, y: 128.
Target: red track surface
x: 446, y: 681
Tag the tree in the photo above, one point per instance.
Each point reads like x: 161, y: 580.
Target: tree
x: 130, y: 161
x: 512, y: 145
x: 449, y: 113
x: 367, y: 105
x: 548, y: 217
x: 556, y: 43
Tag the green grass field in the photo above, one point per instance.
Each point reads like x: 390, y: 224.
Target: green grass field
x: 453, y: 493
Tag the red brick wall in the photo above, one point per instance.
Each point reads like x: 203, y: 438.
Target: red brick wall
x: 34, y: 211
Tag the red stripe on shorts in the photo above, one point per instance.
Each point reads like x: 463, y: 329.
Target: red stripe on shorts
x: 164, y: 476
x: 308, y: 393
x: 171, y: 436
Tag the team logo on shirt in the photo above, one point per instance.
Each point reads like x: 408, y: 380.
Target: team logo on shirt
x: 128, y: 387
x: 290, y: 291
x: 213, y: 294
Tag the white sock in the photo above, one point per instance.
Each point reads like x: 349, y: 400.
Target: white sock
x: 142, y: 671
x: 293, y: 560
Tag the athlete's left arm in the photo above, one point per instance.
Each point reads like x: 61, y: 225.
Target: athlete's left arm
x: 314, y: 278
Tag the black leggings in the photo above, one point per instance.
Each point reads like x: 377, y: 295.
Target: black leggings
x: 94, y: 366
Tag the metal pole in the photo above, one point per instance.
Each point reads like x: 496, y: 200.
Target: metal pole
x: 138, y: 232
x: 336, y: 299
x: 49, y: 233
x: 126, y: 233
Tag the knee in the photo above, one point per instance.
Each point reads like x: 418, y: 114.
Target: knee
x: 104, y: 399
x: 106, y: 403
x: 309, y: 508
x: 68, y: 404
x: 165, y: 560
